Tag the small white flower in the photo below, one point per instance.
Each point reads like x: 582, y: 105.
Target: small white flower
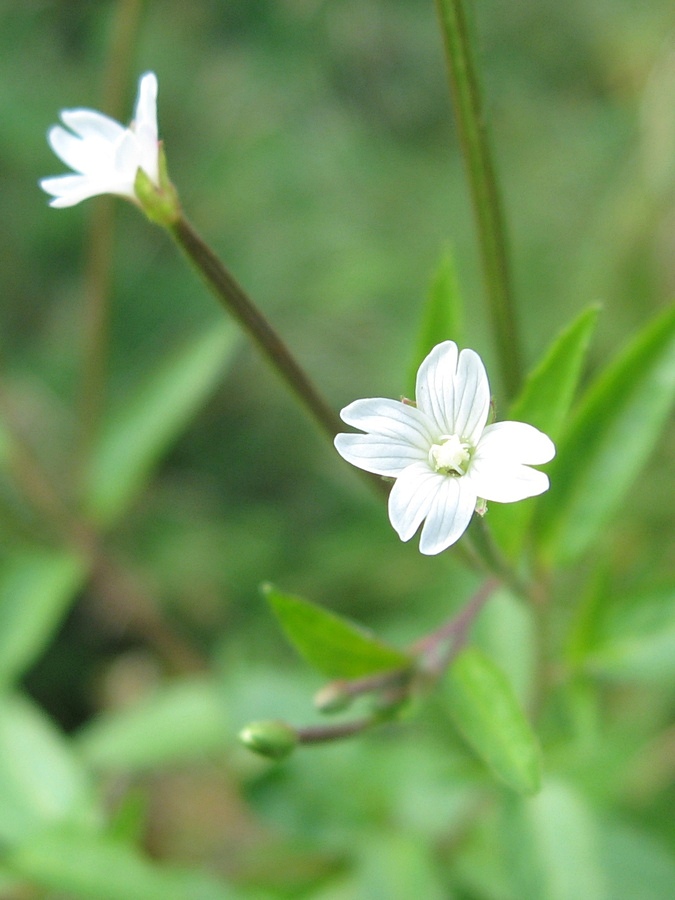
x: 440, y: 451
x: 105, y: 155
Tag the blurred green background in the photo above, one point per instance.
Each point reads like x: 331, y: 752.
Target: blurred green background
x: 313, y: 146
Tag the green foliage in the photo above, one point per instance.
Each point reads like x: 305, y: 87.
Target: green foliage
x: 36, y: 590
x: 93, y: 867
x: 636, y: 640
x: 139, y: 432
x: 485, y: 710
x: 544, y: 402
x: 41, y: 780
x: 613, y: 433
x: 335, y: 646
x: 181, y: 721
x: 554, y: 838
x: 442, y: 318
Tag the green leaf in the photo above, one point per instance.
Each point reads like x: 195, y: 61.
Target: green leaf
x: 549, y: 389
x: 442, y: 316
x: 485, y: 710
x: 95, y: 867
x: 335, y: 646
x: 552, y: 841
x: 41, y: 783
x: 139, y: 432
x: 36, y: 589
x: 637, y: 641
x: 615, y: 429
x: 544, y: 402
x: 179, y: 722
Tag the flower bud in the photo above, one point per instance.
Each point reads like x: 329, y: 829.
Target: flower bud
x: 273, y: 739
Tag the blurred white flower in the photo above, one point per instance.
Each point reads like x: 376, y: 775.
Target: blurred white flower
x: 440, y: 451
x: 105, y: 155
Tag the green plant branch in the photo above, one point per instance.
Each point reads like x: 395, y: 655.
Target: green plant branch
x: 470, y: 116
x: 237, y: 302
x: 434, y: 654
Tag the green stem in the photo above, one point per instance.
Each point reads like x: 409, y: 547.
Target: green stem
x: 486, y: 201
x: 237, y: 302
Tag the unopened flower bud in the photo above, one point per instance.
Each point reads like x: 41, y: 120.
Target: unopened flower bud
x: 273, y: 739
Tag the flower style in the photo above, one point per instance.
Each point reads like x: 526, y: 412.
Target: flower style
x: 441, y: 452
x: 105, y: 155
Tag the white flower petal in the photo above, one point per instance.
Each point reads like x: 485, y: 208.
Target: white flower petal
x: 106, y: 155
x: 517, y: 442
x: 145, y: 126
x: 435, y: 384
x: 505, y: 482
x: 67, y: 190
x: 127, y: 160
x: 88, y: 124
x: 411, y: 498
x: 377, y: 454
x: 145, y: 115
x: 390, y: 418
x: 82, y: 156
x: 451, y: 509
x: 471, y: 401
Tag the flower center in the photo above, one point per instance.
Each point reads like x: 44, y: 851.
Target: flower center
x: 450, y: 456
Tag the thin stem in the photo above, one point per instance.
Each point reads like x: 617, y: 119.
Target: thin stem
x: 321, y: 734
x: 485, y: 194
x: 439, y: 648
x: 237, y: 302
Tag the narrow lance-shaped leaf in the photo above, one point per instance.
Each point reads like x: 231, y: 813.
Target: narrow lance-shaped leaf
x: 37, y: 588
x: 544, y: 402
x: 442, y: 315
x: 139, y: 433
x: 615, y: 429
x: 331, y: 644
x: 485, y: 710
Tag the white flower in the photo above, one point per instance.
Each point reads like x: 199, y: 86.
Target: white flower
x: 440, y: 451
x: 105, y: 155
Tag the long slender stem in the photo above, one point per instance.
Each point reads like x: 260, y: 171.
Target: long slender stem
x: 486, y: 200
x: 237, y: 302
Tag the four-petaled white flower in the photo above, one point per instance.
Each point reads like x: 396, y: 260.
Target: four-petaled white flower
x: 441, y: 452
x: 105, y: 155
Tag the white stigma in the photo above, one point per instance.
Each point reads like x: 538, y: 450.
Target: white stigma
x: 450, y: 457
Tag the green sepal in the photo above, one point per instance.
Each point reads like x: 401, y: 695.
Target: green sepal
x: 160, y: 201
